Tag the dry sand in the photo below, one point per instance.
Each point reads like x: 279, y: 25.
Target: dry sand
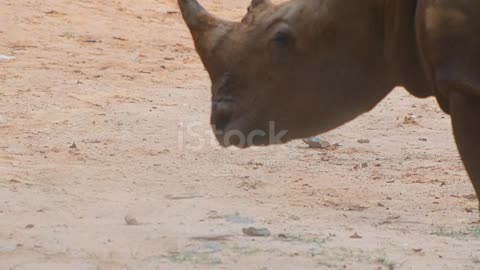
x: 94, y: 118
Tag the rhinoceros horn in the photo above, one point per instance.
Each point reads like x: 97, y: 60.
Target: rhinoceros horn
x: 197, y: 18
x: 206, y: 29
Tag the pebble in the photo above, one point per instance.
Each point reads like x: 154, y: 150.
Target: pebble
x: 131, y: 221
x: 7, y: 248
x: 410, y: 120
x: 3, y: 119
x: 256, y: 232
x: 182, y: 196
x: 237, y: 219
x: 356, y: 236
x: 363, y: 141
x: 6, y: 57
x: 317, y: 142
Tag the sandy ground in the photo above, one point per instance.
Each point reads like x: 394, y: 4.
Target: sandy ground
x: 104, y: 117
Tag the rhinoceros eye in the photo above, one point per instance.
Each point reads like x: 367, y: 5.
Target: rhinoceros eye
x: 282, y: 39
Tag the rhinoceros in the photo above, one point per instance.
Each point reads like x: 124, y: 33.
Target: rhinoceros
x: 304, y: 67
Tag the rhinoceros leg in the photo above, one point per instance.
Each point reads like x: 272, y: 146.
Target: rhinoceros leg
x: 465, y: 111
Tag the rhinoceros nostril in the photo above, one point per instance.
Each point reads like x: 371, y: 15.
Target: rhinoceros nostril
x: 222, y: 112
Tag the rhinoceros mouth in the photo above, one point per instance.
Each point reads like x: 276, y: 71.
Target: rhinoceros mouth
x: 239, y: 138
x: 231, y: 131
x: 242, y: 132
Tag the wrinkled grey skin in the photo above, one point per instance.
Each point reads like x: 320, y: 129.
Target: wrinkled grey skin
x: 309, y: 66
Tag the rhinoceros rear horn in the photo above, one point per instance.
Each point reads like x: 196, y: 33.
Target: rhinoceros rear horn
x: 196, y: 17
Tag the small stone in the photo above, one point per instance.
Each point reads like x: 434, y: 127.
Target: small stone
x: 7, y: 248
x: 73, y: 146
x: 410, y: 120
x: 363, y: 141
x: 120, y: 38
x: 256, y: 232
x: 6, y: 57
x: 294, y: 217
x: 364, y: 165
x: 237, y: 219
x: 29, y: 226
x: 317, y: 142
x: 213, y: 238
x: 356, y: 236
x: 471, y: 197
x: 131, y: 221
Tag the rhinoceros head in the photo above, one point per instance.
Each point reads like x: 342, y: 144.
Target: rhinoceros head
x: 289, y: 70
